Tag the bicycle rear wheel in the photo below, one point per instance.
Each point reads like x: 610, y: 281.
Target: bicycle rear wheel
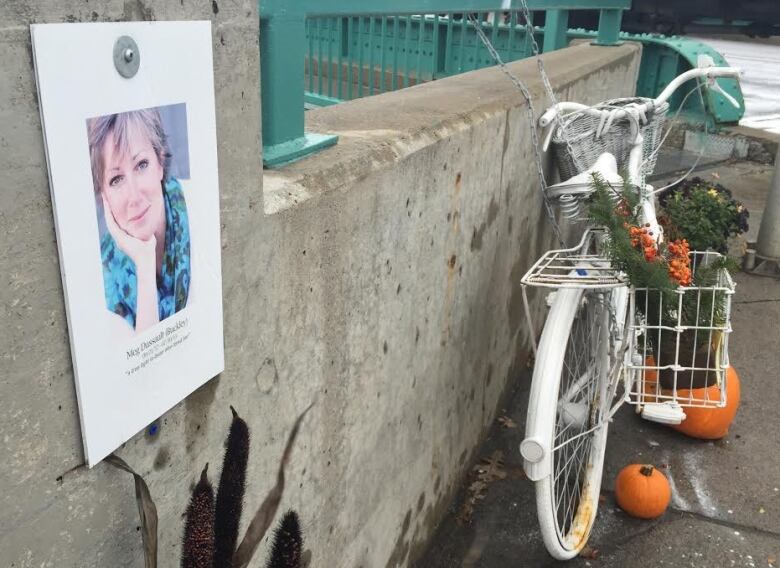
x: 566, y: 427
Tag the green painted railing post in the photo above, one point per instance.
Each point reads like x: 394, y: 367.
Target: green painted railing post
x: 609, y: 27
x: 284, y: 51
x: 555, y: 28
x: 283, y: 46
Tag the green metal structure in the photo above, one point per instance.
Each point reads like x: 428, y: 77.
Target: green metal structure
x: 402, y: 51
x: 663, y: 59
x: 436, y: 47
x: 320, y: 51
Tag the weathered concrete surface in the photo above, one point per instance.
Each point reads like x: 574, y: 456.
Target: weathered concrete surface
x: 761, y: 145
x: 725, y: 507
x: 371, y: 137
x: 379, y: 279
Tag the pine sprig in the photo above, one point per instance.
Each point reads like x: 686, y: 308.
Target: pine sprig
x: 708, y: 308
x: 615, y: 210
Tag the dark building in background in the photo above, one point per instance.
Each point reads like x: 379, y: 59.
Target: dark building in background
x: 755, y: 18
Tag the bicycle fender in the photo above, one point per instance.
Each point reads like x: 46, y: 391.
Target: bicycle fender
x: 535, y: 448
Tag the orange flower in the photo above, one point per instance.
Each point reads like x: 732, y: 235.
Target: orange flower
x: 679, y: 264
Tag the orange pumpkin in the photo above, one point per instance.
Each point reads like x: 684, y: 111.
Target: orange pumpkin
x: 642, y: 491
x: 651, y: 390
x: 651, y: 375
x: 710, y: 423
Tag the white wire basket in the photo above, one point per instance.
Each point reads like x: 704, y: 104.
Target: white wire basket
x: 577, y: 143
x: 680, y: 339
x: 577, y: 267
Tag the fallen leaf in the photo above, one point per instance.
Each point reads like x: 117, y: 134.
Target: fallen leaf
x: 507, y: 422
x: 516, y: 473
x: 492, y: 468
x: 772, y: 560
x: 147, y: 511
x: 465, y: 514
x: 487, y: 471
x: 589, y: 553
x: 716, y: 175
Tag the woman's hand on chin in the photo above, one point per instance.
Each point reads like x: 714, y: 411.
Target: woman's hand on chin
x: 142, y: 253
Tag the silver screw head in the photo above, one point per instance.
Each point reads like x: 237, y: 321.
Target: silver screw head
x: 127, y: 57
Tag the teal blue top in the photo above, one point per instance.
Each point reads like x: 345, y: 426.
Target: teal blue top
x: 173, y: 282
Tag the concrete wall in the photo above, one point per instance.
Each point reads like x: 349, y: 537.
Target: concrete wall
x: 379, y: 279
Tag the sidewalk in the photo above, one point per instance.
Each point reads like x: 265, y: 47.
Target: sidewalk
x: 725, y: 507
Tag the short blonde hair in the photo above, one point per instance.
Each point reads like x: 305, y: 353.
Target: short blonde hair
x: 99, y: 128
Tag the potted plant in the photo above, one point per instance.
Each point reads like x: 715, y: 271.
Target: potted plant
x: 705, y: 214
x: 677, y: 296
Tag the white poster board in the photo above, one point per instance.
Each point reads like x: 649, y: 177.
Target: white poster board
x: 134, y: 185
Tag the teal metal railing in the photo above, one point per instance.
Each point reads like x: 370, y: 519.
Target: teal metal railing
x: 359, y: 56
x: 317, y: 52
x: 412, y: 49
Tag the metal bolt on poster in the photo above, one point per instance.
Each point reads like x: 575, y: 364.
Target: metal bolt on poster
x: 129, y: 127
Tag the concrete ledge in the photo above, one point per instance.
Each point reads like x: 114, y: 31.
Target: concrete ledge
x: 377, y: 132
x: 761, y: 145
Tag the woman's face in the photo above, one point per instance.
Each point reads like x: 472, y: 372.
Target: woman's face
x: 132, y: 184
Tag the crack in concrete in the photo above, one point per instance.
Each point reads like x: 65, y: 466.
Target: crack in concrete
x: 728, y: 524
x: 61, y: 476
x: 681, y: 514
x: 618, y: 544
x: 623, y: 541
x: 757, y: 301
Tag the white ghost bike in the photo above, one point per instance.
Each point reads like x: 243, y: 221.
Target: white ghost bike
x: 588, y: 348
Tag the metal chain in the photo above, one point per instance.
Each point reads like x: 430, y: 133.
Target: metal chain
x: 529, y: 26
x: 616, y: 357
x: 530, y: 110
x: 531, y: 113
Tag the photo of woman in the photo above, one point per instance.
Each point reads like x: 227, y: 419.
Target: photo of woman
x: 142, y: 214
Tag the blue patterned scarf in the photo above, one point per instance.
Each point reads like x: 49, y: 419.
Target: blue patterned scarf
x: 173, y: 282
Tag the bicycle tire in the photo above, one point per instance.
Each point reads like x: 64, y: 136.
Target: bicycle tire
x: 567, y: 504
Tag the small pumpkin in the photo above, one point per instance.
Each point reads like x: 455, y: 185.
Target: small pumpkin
x: 642, y: 491
x: 710, y: 423
x: 650, y: 381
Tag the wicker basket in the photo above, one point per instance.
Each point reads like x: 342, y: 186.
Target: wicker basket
x: 580, y: 128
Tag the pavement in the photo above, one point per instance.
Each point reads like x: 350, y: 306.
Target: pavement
x: 725, y: 509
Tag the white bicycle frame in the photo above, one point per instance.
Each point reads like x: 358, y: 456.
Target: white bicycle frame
x: 534, y: 446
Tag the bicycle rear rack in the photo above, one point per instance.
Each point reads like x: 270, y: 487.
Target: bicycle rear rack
x: 575, y: 267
